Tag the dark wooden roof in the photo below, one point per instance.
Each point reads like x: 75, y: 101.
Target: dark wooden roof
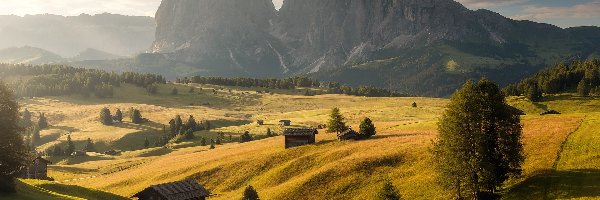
x: 179, y: 190
x: 348, y: 132
x: 285, y: 120
x: 300, y: 131
x: 42, y: 160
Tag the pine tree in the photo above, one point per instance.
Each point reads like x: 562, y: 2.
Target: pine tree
x: 250, y: 194
x: 212, y: 144
x: 203, y: 142
x: 106, y: 117
x: 218, y: 141
x: 388, y: 192
x: 583, y: 88
x: 119, y: 115
x: 14, y: 153
x: 367, y: 128
x: 246, y: 137
x: 534, y: 93
x: 178, y: 123
x: 191, y: 123
x: 26, y: 119
x: 70, y: 146
x: 269, y: 132
x: 479, y: 143
x: 136, y: 117
x: 414, y: 104
x: 89, y: 146
x: 42, y: 121
x: 336, y: 122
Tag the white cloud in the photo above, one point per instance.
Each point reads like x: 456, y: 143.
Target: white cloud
x: 588, y: 10
x: 475, y: 4
x: 76, y: 7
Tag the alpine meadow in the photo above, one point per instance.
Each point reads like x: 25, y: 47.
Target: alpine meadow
x: 300, y: 99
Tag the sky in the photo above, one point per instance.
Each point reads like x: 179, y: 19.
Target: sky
x: 563, y: 13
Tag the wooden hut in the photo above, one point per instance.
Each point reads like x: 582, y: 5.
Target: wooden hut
x: 347, y: 135
x: 285, y: 122
x: 37, y: 169
x: 181, y: 190
x: 299, y: 136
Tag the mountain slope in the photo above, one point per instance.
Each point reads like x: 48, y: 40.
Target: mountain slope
x: 28, y: 55
x: 67, y: 36
x: 417, y: 46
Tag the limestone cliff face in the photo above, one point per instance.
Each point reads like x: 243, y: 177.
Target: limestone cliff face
x: 346, y: 32
x: 220, y: 35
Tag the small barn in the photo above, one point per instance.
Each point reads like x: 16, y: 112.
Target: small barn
x: 347, y: 135
x: 38, y: 169
x: 285, y: 122
x: 299, y: 136
x: 181, y: 190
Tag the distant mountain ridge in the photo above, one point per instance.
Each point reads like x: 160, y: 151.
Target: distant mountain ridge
x: 67, y: 36
x: 37, y: 56
x: 424, y: 47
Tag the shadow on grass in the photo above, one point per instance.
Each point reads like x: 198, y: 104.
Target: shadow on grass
x: 81, y: 192
x: 66, y: 128
x: 558, y: 185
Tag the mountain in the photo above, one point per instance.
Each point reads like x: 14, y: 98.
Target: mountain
x: 426, y: 47
x: 94, y: 54
x: 28, y: 55
x: 67, y: 36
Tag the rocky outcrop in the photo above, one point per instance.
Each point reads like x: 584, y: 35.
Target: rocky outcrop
x: 223, y: 36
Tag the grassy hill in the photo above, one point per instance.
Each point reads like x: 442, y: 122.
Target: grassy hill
x: 562, y: 155
x: 36, y: 189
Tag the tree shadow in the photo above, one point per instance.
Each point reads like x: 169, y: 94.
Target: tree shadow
x: 540, y: 106
x: 66, y: 128
x: 558, y: 185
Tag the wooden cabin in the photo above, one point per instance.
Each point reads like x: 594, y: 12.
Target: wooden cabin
x: 347, y: 135
x: 285, y: 122
x: 181, y: 190
x: 38, y: 169
x: 299, y: 136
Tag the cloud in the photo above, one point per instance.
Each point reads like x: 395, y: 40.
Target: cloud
x: 474, y: 4
x: 76, y: 7
x: 588, y: 10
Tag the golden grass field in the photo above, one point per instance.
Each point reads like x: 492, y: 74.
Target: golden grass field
x: 563, y: 155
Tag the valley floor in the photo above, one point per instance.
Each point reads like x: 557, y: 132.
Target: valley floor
x: 563, y: 158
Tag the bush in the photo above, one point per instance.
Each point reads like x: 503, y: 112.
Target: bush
x: 388, y: 192
x: 105, y: 117
x: 246, y: 137
x: 367, y: 128
x: 550, y: 112
x: 250, y: 194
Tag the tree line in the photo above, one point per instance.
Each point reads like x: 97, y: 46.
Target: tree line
x: 579, y: 76
x: 52, y: 80
x: 292, y: 83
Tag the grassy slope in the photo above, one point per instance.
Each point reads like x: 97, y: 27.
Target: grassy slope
x: 36, y: 189
x: 328, y: 170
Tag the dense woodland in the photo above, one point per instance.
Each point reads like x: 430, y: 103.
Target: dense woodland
x: 45, y: 80
x: 582, y: 77
x: 293, y: 83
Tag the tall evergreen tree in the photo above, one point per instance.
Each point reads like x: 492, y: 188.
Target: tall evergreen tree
x: 35, y: 137
x: 89, y: 146
x: 26, y: 119
x: 136, y: 117
x: 388, y: 192
x: 479, y: 143
x: 178, y: 123
x: 70, y: 146
x: 106, y: 117
x: 533, y: 93
x: 203, y: 142
x: 42, y: 121
x: 191, y: 123
x: 583, y: 88
x: 336, y: 123
x: 367, y: 128
x: 14, y: 153
x: 250, y: 194
x: 119, y: 115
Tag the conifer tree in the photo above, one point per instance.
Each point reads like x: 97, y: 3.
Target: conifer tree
x: 191, y: 123
x: 388, y: 192
x: 89, y: 146
x: 583, y: 88
x: 367, y: 128
x: 13, y: 151
x: 136, y: 117
x: 479, y: 143
x: 106, y: 117
x: 250, y: 194
x: 42, y: 121
x: 534, y: 93
x: 203, y: 142
x: 119, y: 115
x: 26, y: 119
x: 212, y: 144
x: 336, y: 123
x: 178, y: 123
x: 70, y: 146
x: 35, y: 137
x: 269, y: 134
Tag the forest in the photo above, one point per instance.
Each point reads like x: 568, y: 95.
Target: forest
x: 53, y: 80
x: 579, y: 76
